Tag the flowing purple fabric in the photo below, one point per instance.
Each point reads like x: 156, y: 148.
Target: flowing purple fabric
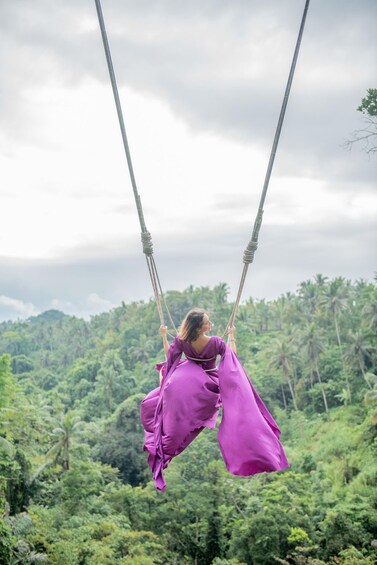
x: 191, y: 393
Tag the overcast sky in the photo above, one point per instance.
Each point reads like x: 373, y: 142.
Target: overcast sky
x: 201, y: 85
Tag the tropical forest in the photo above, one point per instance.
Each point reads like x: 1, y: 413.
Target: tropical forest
x: 75, y: 487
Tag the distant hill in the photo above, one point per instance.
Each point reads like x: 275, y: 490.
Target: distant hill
x: 48, y: 316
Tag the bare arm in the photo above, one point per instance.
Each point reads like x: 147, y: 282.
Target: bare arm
x: 163, y: 334
x: 231, y: 339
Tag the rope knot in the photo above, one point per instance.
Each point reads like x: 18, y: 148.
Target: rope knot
x: 248, y: 256
x: 146, y: 239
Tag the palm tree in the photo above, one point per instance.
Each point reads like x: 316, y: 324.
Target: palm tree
x: 282, y: 356
x: 110, y: 376
x: 370, y: 397
x: 68, y: 425
x: 313, y: 346
x: 309, y: 295
x: 263, y: 314
x: 369, y: 312
x: 24, y: 553
x: 143, y: 350
x: 335, y: 300
x: 221, y: 292
x: 320, y: 280
x: 279, y: 311
x: 246, y: 316
x: 359, y: 350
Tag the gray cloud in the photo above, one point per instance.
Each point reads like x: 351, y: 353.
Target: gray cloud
x: 15, y: 308
x: 220, y: 66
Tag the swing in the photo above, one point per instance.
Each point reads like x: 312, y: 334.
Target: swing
x: 146, y: 237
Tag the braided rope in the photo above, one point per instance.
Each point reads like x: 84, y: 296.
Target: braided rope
x: 152, y: 274
x: 146, y: 240
x: 164, y: 300
x: 248, y: 256
x: 146, y: 237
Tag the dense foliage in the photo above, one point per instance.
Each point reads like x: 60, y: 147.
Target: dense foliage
x: 74, y: 484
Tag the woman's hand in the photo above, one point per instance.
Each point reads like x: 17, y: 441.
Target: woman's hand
x: 231, y: 331
x: 231, y: 339
x: 164, y: 335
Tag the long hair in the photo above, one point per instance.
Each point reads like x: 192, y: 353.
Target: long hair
x: 193, y: 321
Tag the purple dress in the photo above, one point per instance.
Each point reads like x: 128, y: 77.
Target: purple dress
x: 191, y: 393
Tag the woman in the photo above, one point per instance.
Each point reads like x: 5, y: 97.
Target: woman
x: 190, y: 395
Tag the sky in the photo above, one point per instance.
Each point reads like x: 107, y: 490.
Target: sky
x: 201, y: 85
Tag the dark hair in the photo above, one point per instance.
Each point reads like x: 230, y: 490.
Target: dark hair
x: 193, y: 321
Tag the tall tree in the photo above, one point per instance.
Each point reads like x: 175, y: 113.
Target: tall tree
x: 142, y: 350
x: 313, y: 346
x: 263, y: 314
x: 67, y: 427
x: 335, y: 301
x: 120, y: 442
x: 320, y: 280
x: 309, y: 297
x: 370, y: 398
x: 213, y: 547
x: 369, y: 312
x: 358, y: 352
x: 110, y: 378
x: 283, y: 355
x: 6, y: 381
x: 221, y: 292
x: 7, y: 392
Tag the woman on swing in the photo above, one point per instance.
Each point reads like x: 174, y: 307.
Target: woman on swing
x: 189, y: 398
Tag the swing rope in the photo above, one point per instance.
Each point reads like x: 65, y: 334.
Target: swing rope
x: 248, y: 256
x: 146, y: 238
